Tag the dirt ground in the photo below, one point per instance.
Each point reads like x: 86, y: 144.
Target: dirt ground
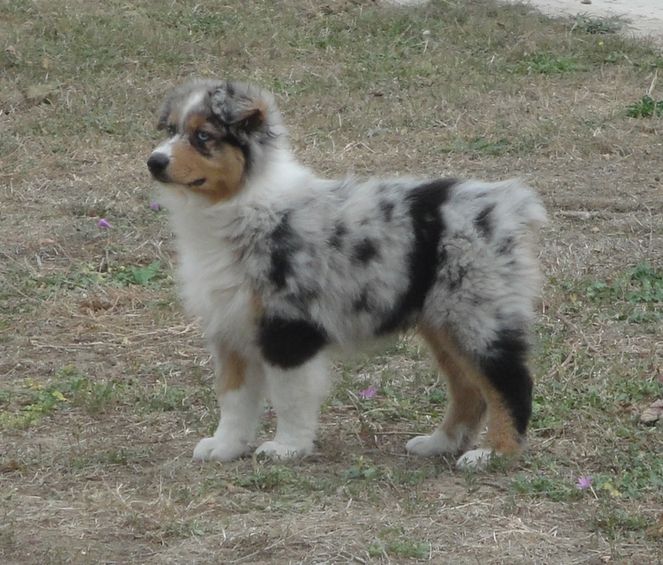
x: 105, y: 386
x: 642, y: 18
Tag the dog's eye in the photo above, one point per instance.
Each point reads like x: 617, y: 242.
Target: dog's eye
x: 202, y: 136
x: 172, y: 130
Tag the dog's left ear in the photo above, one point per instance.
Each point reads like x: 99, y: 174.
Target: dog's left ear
x: 239, y: 108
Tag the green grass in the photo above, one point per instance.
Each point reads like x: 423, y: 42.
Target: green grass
x: 394, y: 543
x: 614, y: 522
x: 27, y: 404
x: 633, y: 295
x: 33, y: 401
x: 548, y: 63
x: 557, y: 489
x: 117, y: 275
x: 646, y: 107
x: 597, y: 26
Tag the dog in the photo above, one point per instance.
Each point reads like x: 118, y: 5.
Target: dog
x: 282, y: 266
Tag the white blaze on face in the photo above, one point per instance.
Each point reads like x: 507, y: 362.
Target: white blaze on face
x: 194, y: 100
x: 167, y: 146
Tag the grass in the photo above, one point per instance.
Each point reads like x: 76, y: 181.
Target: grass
x: 646, y: 107
x: 597, y: 26
x: 105, y: 386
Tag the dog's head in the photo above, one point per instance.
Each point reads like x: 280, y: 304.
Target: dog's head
x: 218, y: 133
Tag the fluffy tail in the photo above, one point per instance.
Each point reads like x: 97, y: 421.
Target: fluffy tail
x: 502, y: 209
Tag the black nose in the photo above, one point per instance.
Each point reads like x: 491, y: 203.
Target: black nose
x: 157, y: 163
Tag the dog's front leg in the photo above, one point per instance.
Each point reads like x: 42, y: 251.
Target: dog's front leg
x: 296, y: 395
x: 240, y: 394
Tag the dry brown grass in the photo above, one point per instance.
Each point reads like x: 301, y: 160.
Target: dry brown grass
x: 105, y: 386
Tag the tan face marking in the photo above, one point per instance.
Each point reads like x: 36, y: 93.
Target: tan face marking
x: 212, y: 169
x: 219, y: 175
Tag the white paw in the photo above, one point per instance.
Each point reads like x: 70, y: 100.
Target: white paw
x: 218, y: 449
x: 475, y: 459
x: 277, y: 450
x: 435, y: 444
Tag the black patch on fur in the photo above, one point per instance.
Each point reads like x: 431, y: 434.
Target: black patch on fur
x: 482, y: 222
x: 423, y: 259
x: 506, y: 246
x: 336, y: 240
x: 387, y: 209
x: 361, y: 304
x: 233, y: 140
x: 442, y: 256
x: 505, y: 367
x: 227, y: 136
x: 364, y: 251
x: 284, y: 243
x: 454, y: 283
x: 289, y: 343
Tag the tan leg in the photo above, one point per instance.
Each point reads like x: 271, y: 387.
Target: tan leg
x: 239, y: 387
x: 229, y: 372
x: 474, y: 386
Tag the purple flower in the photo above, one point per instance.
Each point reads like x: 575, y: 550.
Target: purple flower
x: 104, y: 224
x: 368, y: 393
x: 584, y: 482
x: 154, y: 205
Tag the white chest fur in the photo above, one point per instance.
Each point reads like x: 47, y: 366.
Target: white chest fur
x: 212, y: 280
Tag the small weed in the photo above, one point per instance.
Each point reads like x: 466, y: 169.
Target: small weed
x: 544, y: 486
x: 115, y: 456
x: 488, y: 147
x: 141, y: 276
x: 37, y: 401
x: 89, y: 277
x: 614, y: 521
x: 599, y: 26
x: 82, y: 279
x: 363, y: 470
x: 548, y: 63
x: 69, y: 388
x: 93, y: 396
x: 165, y: 398
x: 646, y: 107
x: 394, y: 543
x: 268, y: 477
x: 641, y: 284
x: 437, y: 396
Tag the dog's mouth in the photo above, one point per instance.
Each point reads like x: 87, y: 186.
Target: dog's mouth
x: 161, y: 177
x: 197, y: 182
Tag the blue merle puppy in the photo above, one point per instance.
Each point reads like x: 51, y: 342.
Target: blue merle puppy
x: 281, y: 265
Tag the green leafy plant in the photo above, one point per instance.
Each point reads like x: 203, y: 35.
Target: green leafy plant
x: 646, y: 107
x: 141, y: 276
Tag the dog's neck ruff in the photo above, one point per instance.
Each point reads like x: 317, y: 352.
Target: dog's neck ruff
x: 212, y: 238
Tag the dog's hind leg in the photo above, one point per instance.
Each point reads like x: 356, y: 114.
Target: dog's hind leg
x: 296, y: 394
x: 466, y: 404
x: 506, y: 384
x: 501, y: 379
x: 239, y: 390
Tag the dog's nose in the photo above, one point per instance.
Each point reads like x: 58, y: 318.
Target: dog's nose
x: 157, y: 163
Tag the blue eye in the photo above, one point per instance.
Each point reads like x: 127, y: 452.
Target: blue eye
x: 202, y: 136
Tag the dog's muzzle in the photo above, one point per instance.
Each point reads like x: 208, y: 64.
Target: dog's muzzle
x: 157, y: 164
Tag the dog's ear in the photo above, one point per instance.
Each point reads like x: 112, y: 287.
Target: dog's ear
x: 251, y: 119
x: 161, y: 123
x: 164, y: 114
x: 239, y: 107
